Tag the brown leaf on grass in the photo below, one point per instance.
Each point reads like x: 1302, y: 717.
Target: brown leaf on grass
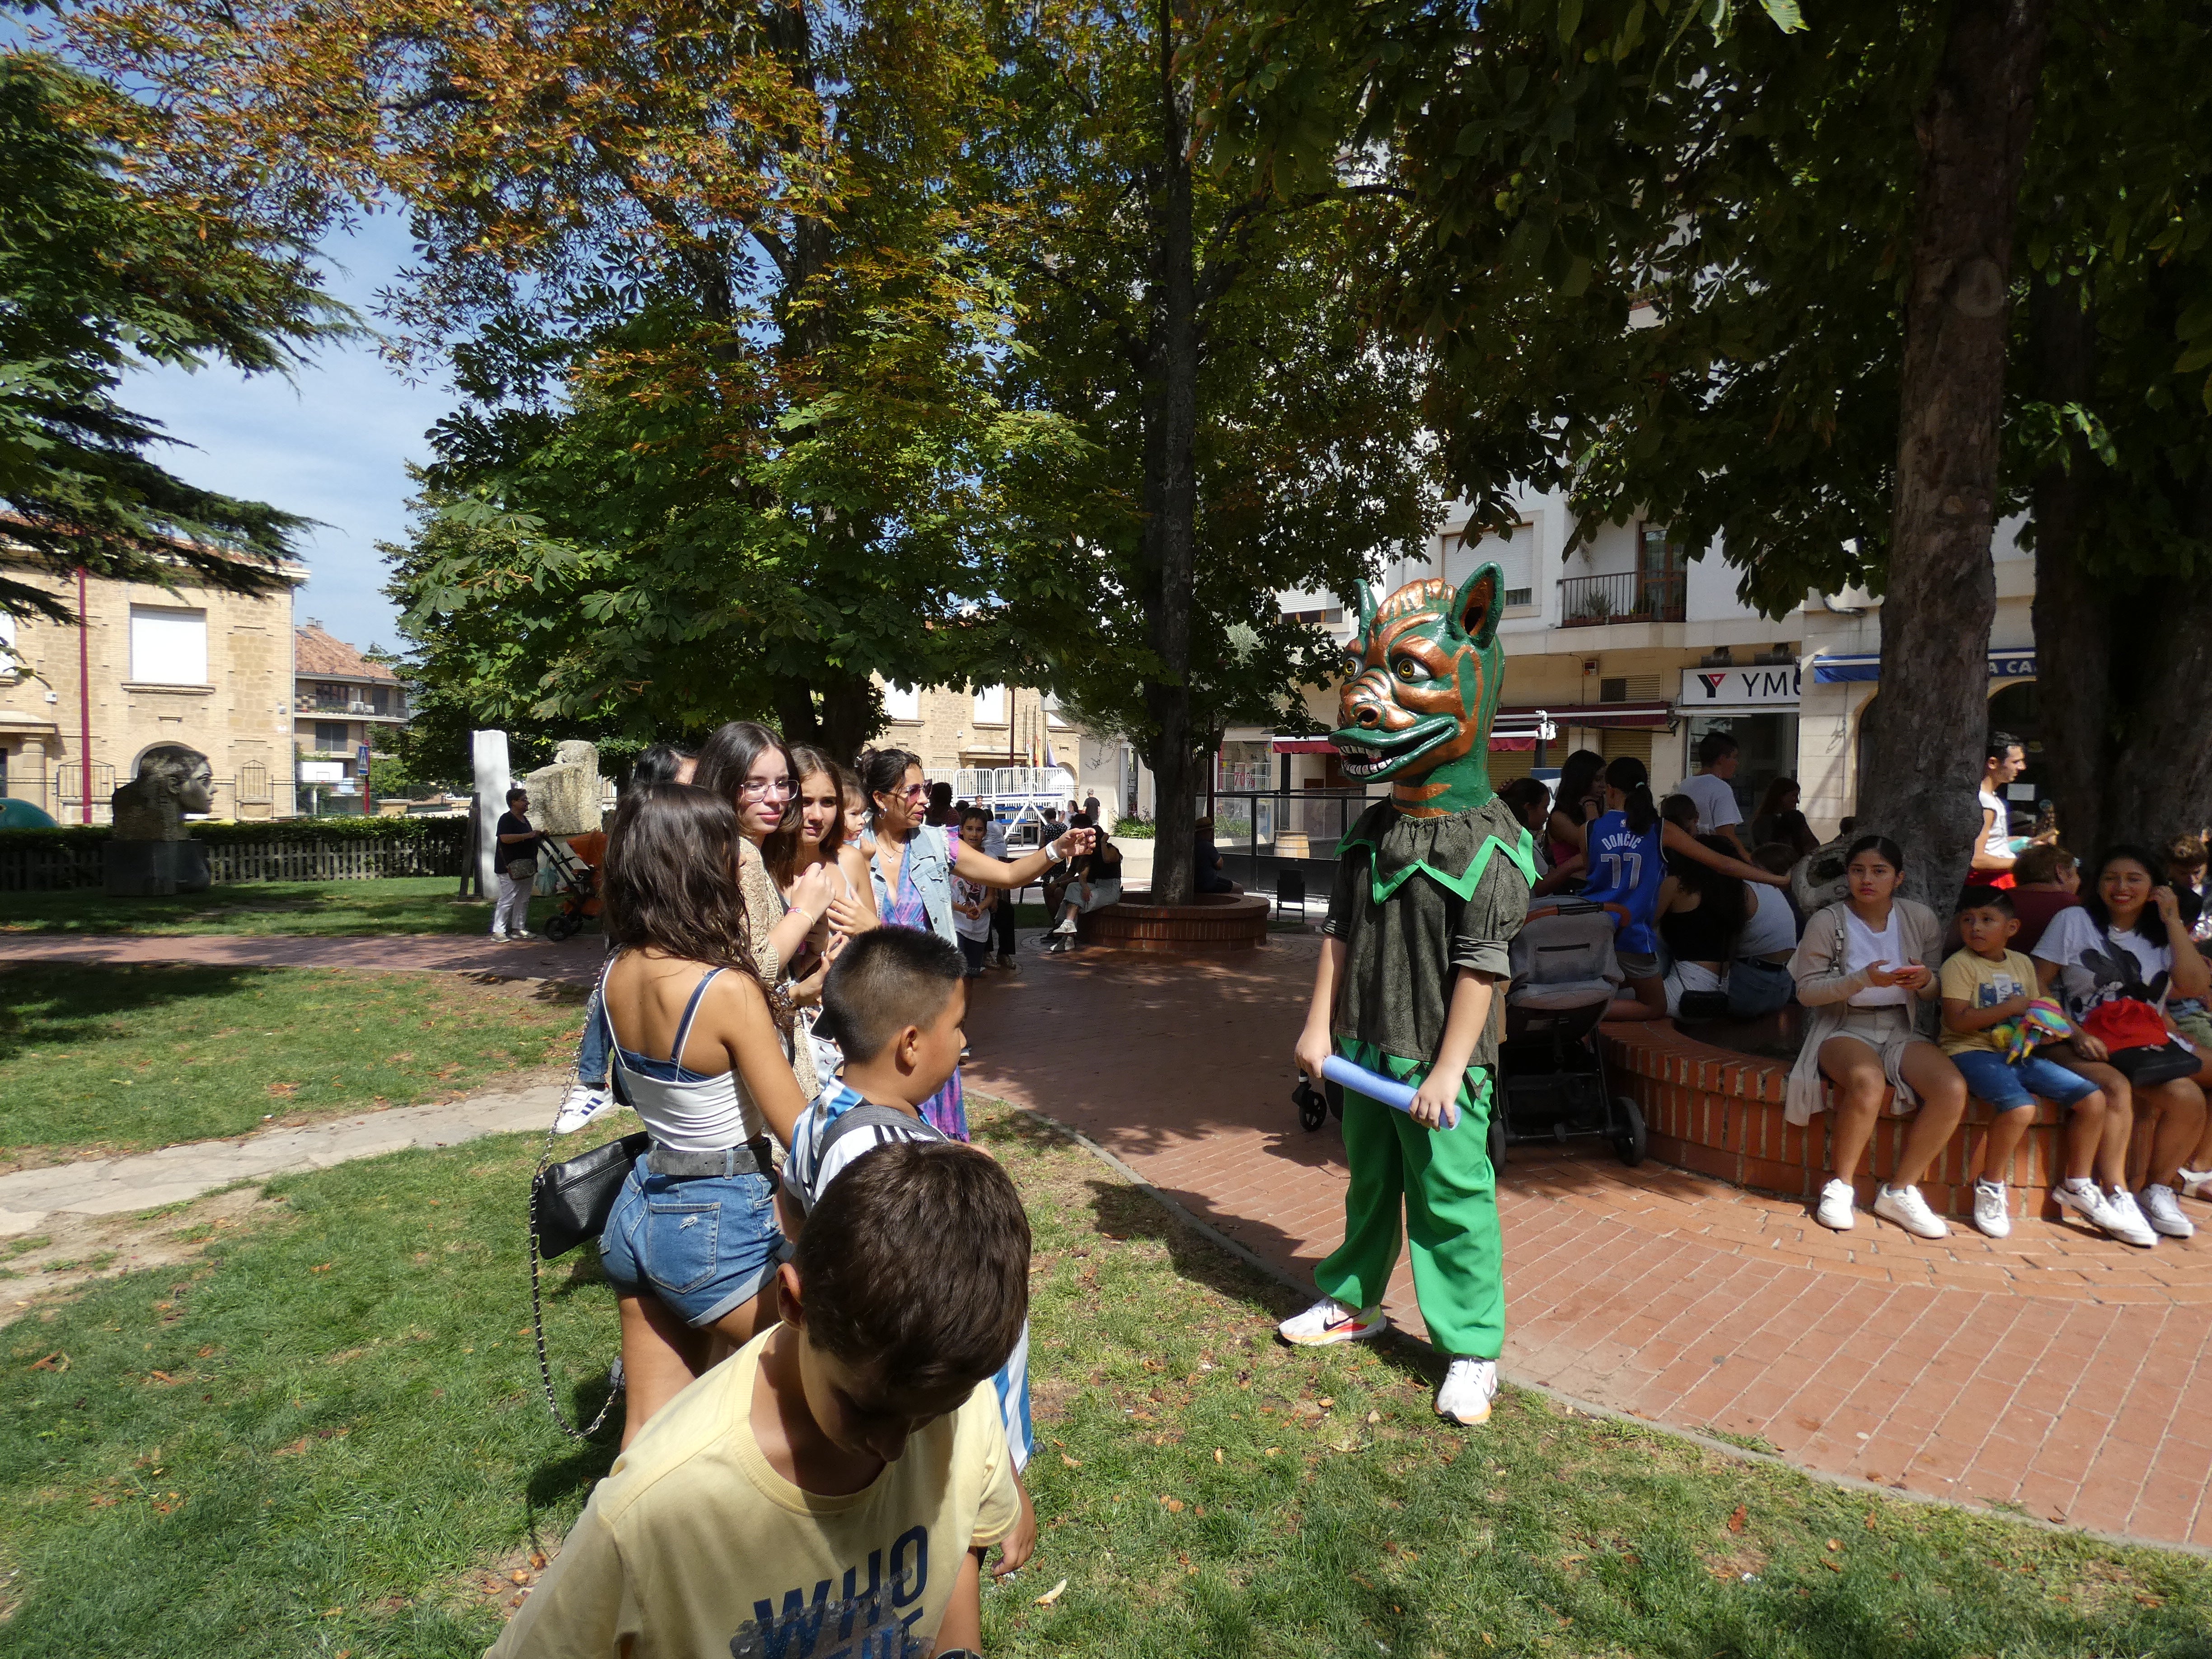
x: 1071, y: 1462
x: 324, y: 1268
x: 1217, y: 1456
x: 1737, y: 1521
x: 1869, y: 1520
x: 1833, y: 1544
x: 55, y: 1361
x: 1052, y: 1594
x: 281, y: 1089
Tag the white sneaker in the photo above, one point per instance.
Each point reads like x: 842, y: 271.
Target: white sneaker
x: 498, y: 939
x: 2086, y: 1202
x: 581, y: 1105
x: 2163, y: 1210
x: 1469, y: 1387
x: 1992, y: 1213
x: 2124, y: 1222
x: 1329, y: 1321
x: 1835, y: 1207
x: 2197, y: 1184
x: 1905, y: 1207
x: 1067, y: 925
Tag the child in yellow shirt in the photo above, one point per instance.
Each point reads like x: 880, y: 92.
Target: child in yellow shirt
x: 1986, y: 984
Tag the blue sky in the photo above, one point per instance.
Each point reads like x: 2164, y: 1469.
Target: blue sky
x: 333, y: 443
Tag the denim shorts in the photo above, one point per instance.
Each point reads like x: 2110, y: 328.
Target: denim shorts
x: 704, y: 1246
x: 2005, y: 1088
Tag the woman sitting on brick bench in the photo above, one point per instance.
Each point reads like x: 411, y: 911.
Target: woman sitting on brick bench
x: 1861, y: 968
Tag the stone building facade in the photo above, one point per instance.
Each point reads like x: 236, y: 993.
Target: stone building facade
x: 343, y: 700
x: 192, y: 665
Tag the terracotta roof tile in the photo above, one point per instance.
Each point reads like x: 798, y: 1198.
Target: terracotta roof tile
x: 315, y: 652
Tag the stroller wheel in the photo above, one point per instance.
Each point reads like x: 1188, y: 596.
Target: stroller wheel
x: 1628, y: 1140
x: 562, y: 924
x: 1496, y: 1142
x: 1313, y: 1111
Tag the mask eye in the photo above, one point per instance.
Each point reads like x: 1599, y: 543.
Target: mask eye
x: 1411, y: 669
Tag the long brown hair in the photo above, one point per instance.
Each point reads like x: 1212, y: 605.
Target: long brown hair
x: 671, y: 882
x: 782, y: 850
x: 729, y: 753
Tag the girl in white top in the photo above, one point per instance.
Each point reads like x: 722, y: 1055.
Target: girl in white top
x: 699, y: 1041
x: 1861, y: 968
x: 2126, y: 940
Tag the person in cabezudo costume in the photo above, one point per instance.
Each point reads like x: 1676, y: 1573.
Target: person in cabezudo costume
x: 1432, y: 885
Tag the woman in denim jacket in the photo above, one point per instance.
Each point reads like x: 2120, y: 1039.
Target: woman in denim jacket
x: 912, y: 864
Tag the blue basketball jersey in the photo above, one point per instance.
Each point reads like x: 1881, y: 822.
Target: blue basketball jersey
x: 1626, y: 868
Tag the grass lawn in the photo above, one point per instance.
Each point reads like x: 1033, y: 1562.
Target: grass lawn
x: 324, y: 1438
x: 126, y: 1057
x: 402, y: 904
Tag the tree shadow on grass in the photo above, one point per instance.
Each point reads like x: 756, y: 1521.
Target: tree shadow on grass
x: 52, y: 1005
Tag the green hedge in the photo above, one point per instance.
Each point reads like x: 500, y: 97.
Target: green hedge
x: 226, y: 834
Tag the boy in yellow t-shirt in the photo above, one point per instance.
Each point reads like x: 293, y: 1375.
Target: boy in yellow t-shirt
x: 1985, y: 985
x: 832, y: 1488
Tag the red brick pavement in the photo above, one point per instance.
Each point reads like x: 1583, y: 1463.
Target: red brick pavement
x: 2050, y: 1371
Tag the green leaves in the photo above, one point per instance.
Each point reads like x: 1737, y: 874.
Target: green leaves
x: 105, y: 263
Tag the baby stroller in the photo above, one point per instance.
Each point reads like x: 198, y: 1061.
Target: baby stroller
x: 576, y: 879
x: 1550, y: 1071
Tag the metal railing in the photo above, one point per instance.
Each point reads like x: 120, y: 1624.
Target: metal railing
x: 1628, y: 596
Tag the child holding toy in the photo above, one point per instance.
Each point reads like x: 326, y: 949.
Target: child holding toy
x: 1989, y: 990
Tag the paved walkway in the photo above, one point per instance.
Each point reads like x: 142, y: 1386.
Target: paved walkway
x: 110, y: 1186
x: 2050, y: 1371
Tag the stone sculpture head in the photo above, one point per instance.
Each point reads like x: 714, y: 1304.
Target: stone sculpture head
x: 174, y: 781
x: 1425, y: 672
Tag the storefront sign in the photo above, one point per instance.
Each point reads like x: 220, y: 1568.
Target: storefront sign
x: 1763, y: 687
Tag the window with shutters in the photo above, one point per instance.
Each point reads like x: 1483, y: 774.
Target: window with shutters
x: 169, y: 646
x: 1514, y: 555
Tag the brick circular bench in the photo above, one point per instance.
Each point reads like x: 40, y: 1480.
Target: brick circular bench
x: 1719, y: 1112
x: 1210, y: 922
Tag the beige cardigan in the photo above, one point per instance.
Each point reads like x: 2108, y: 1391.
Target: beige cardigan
x: 1826, y: 989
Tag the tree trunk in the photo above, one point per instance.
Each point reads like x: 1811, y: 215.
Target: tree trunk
x: 1941, y: 589
x: 2073, y: 608
x: 1170, y: 535
x: 2160, y: 782
x: 844, y: 717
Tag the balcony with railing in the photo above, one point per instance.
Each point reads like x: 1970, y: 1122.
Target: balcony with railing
x: 390, y: 708
x: 1628, y: 596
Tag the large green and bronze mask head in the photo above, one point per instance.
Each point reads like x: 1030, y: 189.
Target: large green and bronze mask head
x: 1426, y: 671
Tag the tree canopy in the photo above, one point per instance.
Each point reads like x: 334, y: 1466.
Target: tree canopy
x: 104, y: 264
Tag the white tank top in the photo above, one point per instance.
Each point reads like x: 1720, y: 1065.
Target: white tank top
x: 691, y: 1113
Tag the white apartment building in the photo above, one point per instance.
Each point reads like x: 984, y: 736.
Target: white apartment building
x: 1628, y: 647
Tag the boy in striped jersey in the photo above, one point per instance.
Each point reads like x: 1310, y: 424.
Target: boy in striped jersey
x: 894, y: 1001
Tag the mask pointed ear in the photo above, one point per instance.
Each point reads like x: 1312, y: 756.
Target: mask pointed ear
x: 1474, y: 607
x: 1366, y: 611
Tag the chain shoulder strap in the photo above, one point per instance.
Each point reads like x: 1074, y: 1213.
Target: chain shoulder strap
x: 537, y: 1304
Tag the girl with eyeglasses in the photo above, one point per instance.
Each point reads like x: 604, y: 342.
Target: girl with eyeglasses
x: 913, y: 867
x: 749, y: 766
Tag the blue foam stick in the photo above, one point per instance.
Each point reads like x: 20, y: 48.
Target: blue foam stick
x: 1376, y: 1086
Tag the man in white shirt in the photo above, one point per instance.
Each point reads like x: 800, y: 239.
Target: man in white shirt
x: 2006, y: 760
x: 1717, y: 811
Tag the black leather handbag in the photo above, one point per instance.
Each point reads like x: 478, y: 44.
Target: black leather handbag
x: 571, y: 1202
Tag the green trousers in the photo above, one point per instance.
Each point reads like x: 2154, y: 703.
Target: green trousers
x: 1443, y: 1180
